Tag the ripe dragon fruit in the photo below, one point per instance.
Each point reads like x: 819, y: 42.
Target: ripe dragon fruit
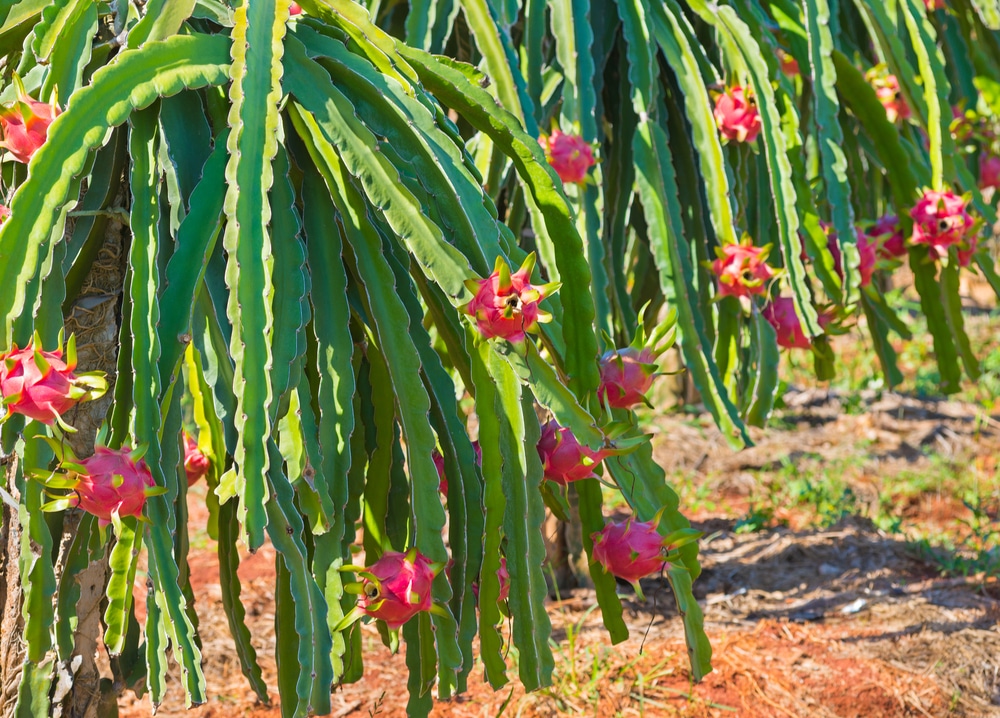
x: 397, y: 587
x: 736, y: 114
x: 989, y: 171
x: 113, y: 482
x: 933, y: 5
x: 789, y: 65
x: 505, y: 305
x: 888, y: 236
x: 196, y: 464
x: 940, y: 221
x: 294, y: 9
x: 439, y: 465
x: 886, y: 88
x: 41, y: 385
x: 742, y: 269
x: 4, y: 213
x: 564, y: 459
x: 570, y: 156
x: 503, y: 575
x: 780, y: 314
x: 866, y: 253
x: 26, y: 125
x: 626, y: 376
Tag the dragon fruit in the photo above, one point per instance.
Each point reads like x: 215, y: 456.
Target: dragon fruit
x: 886, y: 88
x: 626, y: 376
x: 564, y: 459
x: 886, y: 233
x: 294, y: 9
x: 866, y: 253
x: 112, y: 482
x: 26, y: 125
x: 397, y: 587
x: 504, y: 577
x: 789, y: 65
x: 570, y: 156
x: 630, y: 550
x: 196, y: 464
x: 933, y: 5
x: 780, y: 314
x: 4, y: 213
x: 736, y: 114
x: 505, y: 305
x: 439, y: 465
x: 41, y: 385
x: 989, y: 171
x: 940, y: 221
x: 742, y: 269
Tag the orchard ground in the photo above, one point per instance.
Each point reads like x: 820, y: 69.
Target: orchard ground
x: 850, y: 569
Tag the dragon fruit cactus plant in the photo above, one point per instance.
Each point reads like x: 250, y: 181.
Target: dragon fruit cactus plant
x: 941, y: 221
x: 570, y: 155
x: 196, y: 463
x: 505, y: 305
x: 41, y: 385
x: 394, y: 589
x: 742, y: 269
x: 628, y: 373
x: 439, y: 465
x: 26, y: 125
x: 737, y: 115
x: 632, y: 549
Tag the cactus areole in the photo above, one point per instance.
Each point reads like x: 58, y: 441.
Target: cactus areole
x: 505, y: 305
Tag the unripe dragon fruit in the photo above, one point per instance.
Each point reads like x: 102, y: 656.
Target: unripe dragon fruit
x: 439, y: 465
x: 940, y: 221
x: 888, y: 236
x: 26, y: 125
x: 737, y: 115
x: 570, y: 156
x: 42, y: 386
x: 989, y: 171
x: 780, y: 314
x: 113, y: 482
x: 397, y: 587
x: 196, y: 464
x: 742, y: 269
x: 564, y: 459
x: 626, y: 376
x: 886, y: 88
x: 505, y: 305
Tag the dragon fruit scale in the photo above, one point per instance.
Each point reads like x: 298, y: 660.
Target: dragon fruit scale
x: 505, y: 305
x: 41, y: 385
x: 113, y: 482
x: 570, y: 155
x: 737, y: 115
x: 397, y: 587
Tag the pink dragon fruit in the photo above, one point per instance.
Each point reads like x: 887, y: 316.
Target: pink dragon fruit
x: 505, y: 305
x: 888, y: 236
x: 564, y: 459
x: 26, y: 125
x: 736, y: 114
x: 570, y: 156
x: 742, y: 269
x: 294, y: 9
x: 868, y: 253
x: 4, y: 213
x: 113, y: 482
x: 196, y: 464
x: 940, y: 221
x: 630, y: 550
x: 780, y: 314
x: 626, y: 376
x: 42, y: 386
x: 887, y: 90
x: 504, y: 577
x: 933, y: 5
x: 398, y: 586
x: 439, y: 465
x: 989, y: 171
x: 789, y: 65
